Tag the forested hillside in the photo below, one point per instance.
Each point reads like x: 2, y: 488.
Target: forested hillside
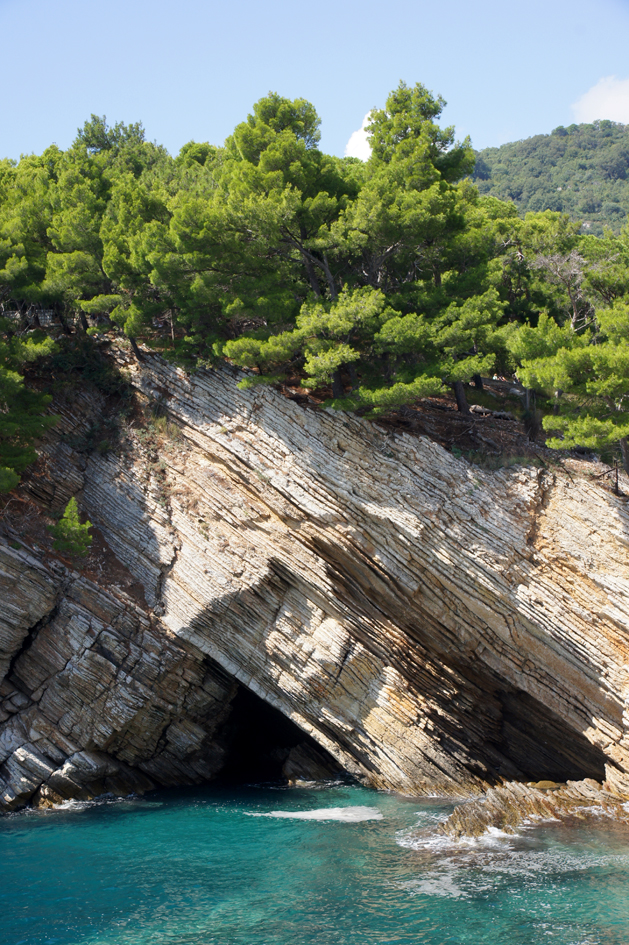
x: 375, y: 283
x: 582, y: 170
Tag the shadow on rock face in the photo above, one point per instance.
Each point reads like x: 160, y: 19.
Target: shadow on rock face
x: 505, y: 732
x: 543, y: 746
x: 366, y: 668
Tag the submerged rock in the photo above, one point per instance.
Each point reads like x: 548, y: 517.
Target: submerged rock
x: 432, y: 627
x: 510, y: 806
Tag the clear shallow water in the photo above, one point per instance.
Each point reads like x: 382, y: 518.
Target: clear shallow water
x: 203, y: 867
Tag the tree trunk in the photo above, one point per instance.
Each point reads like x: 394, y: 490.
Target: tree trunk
x: 312, y: 276
x: 136, y: 350
x: 337, y: 384
x: 330, y: 279
x: 387, y: 367
x: 461, y: 399
x: 64, y: 324
x: 353, y: 376
x: 83, y: 320
x: 478, y: 382
x: 624, y: 451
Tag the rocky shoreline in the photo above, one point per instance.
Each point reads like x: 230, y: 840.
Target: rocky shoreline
x: 508, y: 807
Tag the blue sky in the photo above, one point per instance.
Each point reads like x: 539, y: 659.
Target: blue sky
x: 192, y: 69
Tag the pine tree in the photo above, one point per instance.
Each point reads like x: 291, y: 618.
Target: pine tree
x: 71, y: 537
x: 22, y: 417
x: 592, y: 373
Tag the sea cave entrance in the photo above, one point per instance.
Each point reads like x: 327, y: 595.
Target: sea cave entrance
x: 262, y: 744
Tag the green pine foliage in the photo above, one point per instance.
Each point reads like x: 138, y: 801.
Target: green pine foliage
x: 22, y: 411
x: 582, y: 170
x: 590, y: 373
x: 377, y: 283
x: 70, y: 536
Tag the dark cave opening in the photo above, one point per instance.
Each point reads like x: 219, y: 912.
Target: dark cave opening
x: 262, y: 744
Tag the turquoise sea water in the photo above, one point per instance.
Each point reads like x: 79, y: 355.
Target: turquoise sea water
x: 217, y: 866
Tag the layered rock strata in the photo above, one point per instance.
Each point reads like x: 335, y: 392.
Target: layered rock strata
x: 434, y: 627
x: 98, y: 698
x: 513, y: 805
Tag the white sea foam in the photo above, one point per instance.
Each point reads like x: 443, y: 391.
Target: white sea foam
x: 438, y: 842
x: 350, y: 815
x: 74, y: 805
x: 497, y: 854
x: 127, y: 802
x: 85, y: 805
x: 435, y: 884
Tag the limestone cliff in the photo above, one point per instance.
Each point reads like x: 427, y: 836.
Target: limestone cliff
x: 433, y: 627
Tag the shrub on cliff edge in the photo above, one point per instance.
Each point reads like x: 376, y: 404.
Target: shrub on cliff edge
x: 70, y: 536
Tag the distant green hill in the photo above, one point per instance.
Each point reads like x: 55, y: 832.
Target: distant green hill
x: 582, y: 170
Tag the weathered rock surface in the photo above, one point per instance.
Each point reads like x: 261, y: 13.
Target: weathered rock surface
x: 513, y: 805
x: 435, y: 628
x: 103, y: 700
x: 28, y: 593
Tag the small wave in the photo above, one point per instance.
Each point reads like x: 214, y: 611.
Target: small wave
x: 322, y: 785
x: 438, y: 842
x: 130, y: 800
x: 350, y: 815
x: 533, y: 863
x: 85, y: 805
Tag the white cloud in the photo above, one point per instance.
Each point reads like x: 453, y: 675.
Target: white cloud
x: 609, y: 98
x: 358, y: 146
